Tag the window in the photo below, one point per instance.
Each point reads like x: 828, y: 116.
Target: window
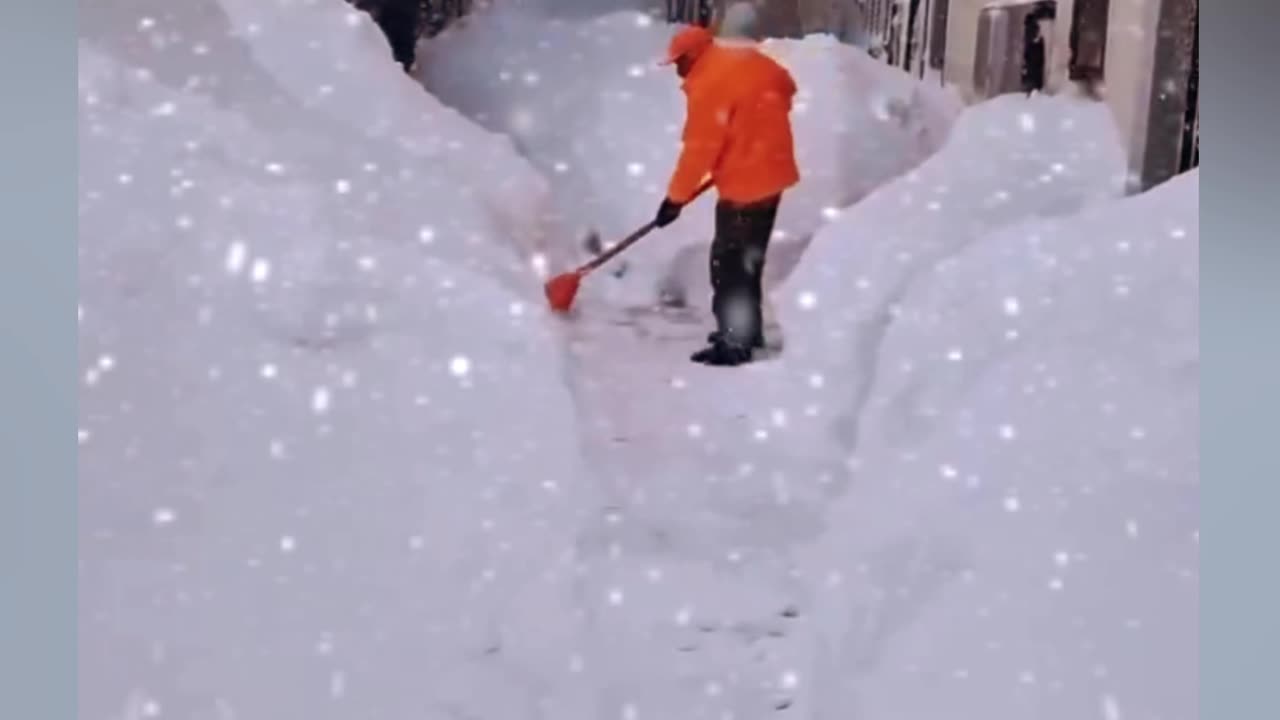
x: 691, y: 12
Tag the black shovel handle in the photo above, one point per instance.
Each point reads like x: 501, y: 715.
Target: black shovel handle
x: 632, y: 239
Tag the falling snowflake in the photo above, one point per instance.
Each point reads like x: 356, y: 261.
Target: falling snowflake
x: 268, y: 371
x: 1027, y: 122
x: 521, y: 121
x: 1012, y: 504
x: 1007, y: 432
x: 1011, y: 306
x: 635, y: 169
x: 426, y: 235
x: 237, y: 255
x: 337, y: 684
x: 789, y: 680
x: 807, y: 300
x: 288, y: 544
x: 320, y: 400
x: 1110, y: 708
x: 460, y: 366
x: 163, y: 516
x: 684, y: 616
x: 342, y: 187
x: 260, y: 271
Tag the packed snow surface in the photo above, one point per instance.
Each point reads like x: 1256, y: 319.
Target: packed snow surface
x: 338, y: 462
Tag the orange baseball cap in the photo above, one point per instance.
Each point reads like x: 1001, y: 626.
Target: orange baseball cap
x: 690, y: 41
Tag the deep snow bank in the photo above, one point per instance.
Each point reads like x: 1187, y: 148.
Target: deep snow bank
x: 1007, y: 160
x: 318, y: 74
x: 299, y: 332
x: 1023, y: 521
x: 587, y: 103
x: 1006, y: 358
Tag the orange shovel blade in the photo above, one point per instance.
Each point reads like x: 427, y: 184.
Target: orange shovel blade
x: 561, y: 290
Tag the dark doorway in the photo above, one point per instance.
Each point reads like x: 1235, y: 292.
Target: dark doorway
x: 938, y: 34
x: 895, y: 34
x: 913, y: 37
x: 1088, y: 41
x: 1173, y: 107
x: 1035, y: 45
x: 1191, y: 118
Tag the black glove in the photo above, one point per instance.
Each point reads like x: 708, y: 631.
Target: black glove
x: 668, y: 211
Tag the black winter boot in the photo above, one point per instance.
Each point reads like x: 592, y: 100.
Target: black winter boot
x: 722, y: 354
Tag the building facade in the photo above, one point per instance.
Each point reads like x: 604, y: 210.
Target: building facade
x: 1141, y: 57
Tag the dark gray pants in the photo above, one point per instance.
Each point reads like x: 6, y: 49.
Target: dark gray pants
x: 737, y: 268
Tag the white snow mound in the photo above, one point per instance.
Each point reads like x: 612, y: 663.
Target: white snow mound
x: 1022, y: 519
x: 1007, y: 160
x: 297, y: 333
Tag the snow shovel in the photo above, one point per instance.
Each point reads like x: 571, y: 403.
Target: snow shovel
x: 563, y: 288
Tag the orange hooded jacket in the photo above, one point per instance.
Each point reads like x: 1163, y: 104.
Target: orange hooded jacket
x: 738, y: 125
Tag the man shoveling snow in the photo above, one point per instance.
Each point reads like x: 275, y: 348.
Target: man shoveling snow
x: 738, y: 132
